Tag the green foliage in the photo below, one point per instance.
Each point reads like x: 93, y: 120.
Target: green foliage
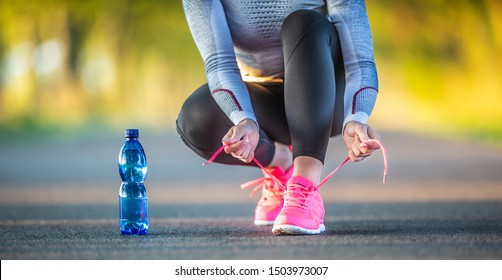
x: 134, y: 62
x: 442, y: 61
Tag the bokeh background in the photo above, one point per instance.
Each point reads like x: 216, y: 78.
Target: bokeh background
x: 74, y: 74
x: 67, y: 65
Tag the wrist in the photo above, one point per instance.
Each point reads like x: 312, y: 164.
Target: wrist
x: 359, y: 117
x: 249, y: 122
x: 238, y: 116
x: 348, y: 126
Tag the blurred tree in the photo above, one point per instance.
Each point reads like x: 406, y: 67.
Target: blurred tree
x: 69, y: 62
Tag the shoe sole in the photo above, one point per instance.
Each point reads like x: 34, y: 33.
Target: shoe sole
x: 263, y: 223
x: 296, y: 230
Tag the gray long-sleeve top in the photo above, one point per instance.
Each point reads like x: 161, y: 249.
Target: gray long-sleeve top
x: 240, y: 40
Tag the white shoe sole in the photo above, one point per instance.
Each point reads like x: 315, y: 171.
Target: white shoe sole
x: 263, y: 223
x: 296, y: 230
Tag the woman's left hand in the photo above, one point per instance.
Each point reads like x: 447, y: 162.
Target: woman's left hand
x: 357, y: 138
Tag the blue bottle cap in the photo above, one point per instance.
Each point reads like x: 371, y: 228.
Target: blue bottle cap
x: 131, y: 133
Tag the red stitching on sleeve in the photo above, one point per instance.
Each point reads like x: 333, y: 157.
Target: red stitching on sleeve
x: 355, y: 95
x: 231, y: 95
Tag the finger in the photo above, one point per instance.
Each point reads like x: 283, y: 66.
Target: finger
x: 246, y: 152
x: 373, y: 134
x: 367, y: 148
x: 230, y: 149
x: 356, y: 150
x: 365, y: 155
x: 357, y: 139
x: 352, y: 156
x: 227, y: 139
x: 361, y: 150
x: 361, y: 137
x: 246, y: 157
x: 237, y: 148
x: 238, y: 133
x: 243, y: 145
x: 235, y: 134
x: 250, y: 157
x: 362, y: 133
x: 240, y: 148
x: 370, y: 145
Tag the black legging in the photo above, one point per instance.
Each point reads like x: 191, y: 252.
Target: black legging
x: 304, y: 111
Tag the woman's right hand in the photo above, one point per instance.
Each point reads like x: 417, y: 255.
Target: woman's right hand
x: 242, y: 140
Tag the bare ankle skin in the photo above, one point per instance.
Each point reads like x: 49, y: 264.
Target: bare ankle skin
x: 283, y: 157
x: 309, y: 168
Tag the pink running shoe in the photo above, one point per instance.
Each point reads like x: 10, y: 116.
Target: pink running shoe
x: 303, y: 211
x: 272, y: 195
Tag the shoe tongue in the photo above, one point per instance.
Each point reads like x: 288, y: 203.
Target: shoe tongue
x: 300, y: 180
x: 275, y: 171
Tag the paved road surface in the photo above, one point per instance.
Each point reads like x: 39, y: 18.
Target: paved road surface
x: 58, y: 200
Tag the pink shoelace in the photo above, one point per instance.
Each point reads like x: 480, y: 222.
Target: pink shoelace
x: 213, y: 157
x: 264, y: 182
x: 300, y: 200
x: 385, y: 168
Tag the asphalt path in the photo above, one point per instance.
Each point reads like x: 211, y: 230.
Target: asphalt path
x: 58, y: 200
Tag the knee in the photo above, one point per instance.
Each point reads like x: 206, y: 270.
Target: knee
x: 192, y: 123
x: 302, y: 20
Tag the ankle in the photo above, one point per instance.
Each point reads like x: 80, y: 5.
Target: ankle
x: 302, y: 181
x: 309, y: 168
x: 283, y: 156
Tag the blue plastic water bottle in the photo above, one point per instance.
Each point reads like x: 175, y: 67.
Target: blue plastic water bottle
x: 133, y: 201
